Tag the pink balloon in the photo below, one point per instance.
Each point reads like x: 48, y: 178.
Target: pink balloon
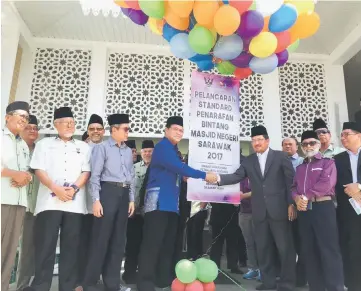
x: 178, y: 285
x: 209, y: 286
x: 194, y: 286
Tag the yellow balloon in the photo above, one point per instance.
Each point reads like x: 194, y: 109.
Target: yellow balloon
x: 156, y: 25
x: 121, y: 3
x: 263, y: 45
x: 303, y: 6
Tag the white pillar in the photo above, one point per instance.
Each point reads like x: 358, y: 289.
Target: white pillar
x: 26, y: 74
x: 10, y: 35
x: 97, y: 82
x: 336, y: 97
x: 187, y: 97
x: 272, y: 109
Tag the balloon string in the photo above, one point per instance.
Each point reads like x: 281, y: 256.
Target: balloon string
x: 230, y: 278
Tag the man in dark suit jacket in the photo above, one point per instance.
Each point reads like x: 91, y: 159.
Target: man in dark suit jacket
x: 271, y: 175
x: 348, y: 165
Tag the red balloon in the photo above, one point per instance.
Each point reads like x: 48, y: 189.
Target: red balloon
x: 132, y: 4
x: 178, y: 285
x: 194, y: 286
x: 241, y: 6
x: 209, y: 286
x: 242, y: 73
x: 283, y: 40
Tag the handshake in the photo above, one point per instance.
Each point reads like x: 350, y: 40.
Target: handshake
x: 211, y: 177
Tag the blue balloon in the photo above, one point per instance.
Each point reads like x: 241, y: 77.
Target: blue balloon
x: 205, y: 65
x: 192, y: 22
x: 264, y: 65
x: 283, y: 18
x: 225, y: 1
x: 180, y: 47
x: 169, y: 32
x: 199, y: 57
x: 228, y: 47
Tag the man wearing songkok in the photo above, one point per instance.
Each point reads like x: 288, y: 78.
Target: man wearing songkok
x: 161, y: 208
x: 270, y: 173
x: 95, y: 133
x: 112, y: 187
x: 14, y: 179
x: 290, y: 147
x: 26, y: 267
x: 132, y: 145
x: 327, y: 149
x: 135, y: 223
x: 62, y: 165
x: 348, y: 186
x: 313, y: 187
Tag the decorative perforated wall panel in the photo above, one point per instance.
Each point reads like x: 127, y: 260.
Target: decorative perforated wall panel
x: 303, y: 97
x: 149, y: 88
x: 251, y: 102
x: 61, y: 78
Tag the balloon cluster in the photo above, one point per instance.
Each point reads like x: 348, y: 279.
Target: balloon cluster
x: 236, y: 36
x: 197, y: 276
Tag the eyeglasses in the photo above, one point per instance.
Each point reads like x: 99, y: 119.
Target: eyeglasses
x: 32, y: 128
x: 256, y: 140
x: 24, y: 116
x: 346, y: 134
x: 311, y: 143
x: 68, y: 123
x: 92, y: 129
x: 322, y: 131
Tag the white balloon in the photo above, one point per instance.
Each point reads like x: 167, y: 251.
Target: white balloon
x: 268, y: 7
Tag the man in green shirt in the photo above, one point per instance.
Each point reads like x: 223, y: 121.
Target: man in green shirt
x: 26, y: 267
x: 14, y: 178
x: 328, y: 150
x: 135, y: 223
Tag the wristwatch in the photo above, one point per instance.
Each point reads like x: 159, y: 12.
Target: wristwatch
x: 75, y: 187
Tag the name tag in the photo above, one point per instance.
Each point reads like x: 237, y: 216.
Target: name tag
x: 316, y: 169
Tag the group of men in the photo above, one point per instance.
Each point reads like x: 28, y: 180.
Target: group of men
x: 97, y: 199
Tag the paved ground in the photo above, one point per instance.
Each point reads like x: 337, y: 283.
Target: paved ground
x: 245, y: 285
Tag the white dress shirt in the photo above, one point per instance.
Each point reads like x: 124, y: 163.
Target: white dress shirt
x: 262, y: 159
x: 63, y: 162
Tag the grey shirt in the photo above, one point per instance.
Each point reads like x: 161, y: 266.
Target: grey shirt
x: 111, y: 163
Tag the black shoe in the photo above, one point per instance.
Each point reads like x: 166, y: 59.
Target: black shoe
x: 236, y: 271
x: 264, y: 287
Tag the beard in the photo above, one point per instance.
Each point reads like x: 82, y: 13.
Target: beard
x: 310, y: 154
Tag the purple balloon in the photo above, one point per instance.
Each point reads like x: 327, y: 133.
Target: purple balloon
x: 282, y: 58
x: 251, y: 24
x: 246, y: 42
x: 137, y: 16
x: 242, y: 61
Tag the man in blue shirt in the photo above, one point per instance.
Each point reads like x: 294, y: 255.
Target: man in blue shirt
x: 161, y: 208
x: 112, y: 185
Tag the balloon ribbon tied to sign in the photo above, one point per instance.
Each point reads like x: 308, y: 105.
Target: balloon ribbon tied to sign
x: 245, y: 37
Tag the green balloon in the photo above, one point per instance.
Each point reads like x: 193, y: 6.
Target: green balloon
x: 226, y: 68
x: 201, y: 40
x: 153, y: 8
x: 253, y: 6
x: 207, y: 270
x: 292, y: 47
x: 186, y: 271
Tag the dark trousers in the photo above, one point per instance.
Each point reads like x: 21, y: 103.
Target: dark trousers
x: 179, y: 241
x: 157, y: 249
x: 195, y: 226
x: 46, y: 233
x: 84, y: 250
x: 320, y: 247
x: 242, y: 250
x: 132, y: 248
x: 108, y: 239
x: 300, y: 265
x: 267, y: 233
x: 350, y: 239
x: 230, y: 235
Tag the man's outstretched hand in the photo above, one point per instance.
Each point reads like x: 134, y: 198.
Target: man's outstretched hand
x: 211, y: 177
